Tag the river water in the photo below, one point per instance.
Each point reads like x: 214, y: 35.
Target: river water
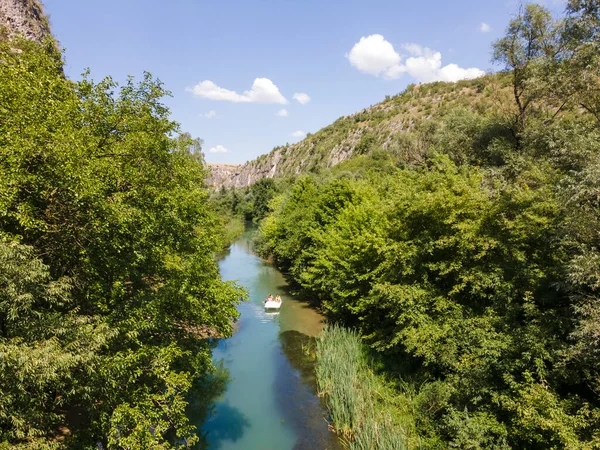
x: 264, y: 396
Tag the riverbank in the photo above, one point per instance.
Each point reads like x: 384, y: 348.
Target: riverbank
x: 365, y: 411
x: 233, y: 227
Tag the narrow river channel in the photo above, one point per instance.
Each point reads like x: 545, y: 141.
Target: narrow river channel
x: 269, y: 400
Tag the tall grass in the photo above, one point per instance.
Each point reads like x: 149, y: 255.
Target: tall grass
x: 354, y: 395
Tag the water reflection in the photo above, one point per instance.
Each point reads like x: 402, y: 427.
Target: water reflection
x: 295, y: 389
x: 202, y: 398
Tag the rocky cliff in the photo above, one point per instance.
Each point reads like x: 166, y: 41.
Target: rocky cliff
x: 221, y: 174
x: 386, y: 126
x: 23, y: 17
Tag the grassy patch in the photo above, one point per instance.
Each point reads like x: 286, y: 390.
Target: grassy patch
x: 364, y: 410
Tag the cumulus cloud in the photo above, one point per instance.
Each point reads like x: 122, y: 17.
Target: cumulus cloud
x: 485, y: 28
x: 263, y: 91
x: 299, y: 134
x: 414, y: 49
x: 301, y: 98
x: 218, y: 149
x: 426, y: 65
x: 376, y: 56
x: 210, y: 115
x: 282, y: 113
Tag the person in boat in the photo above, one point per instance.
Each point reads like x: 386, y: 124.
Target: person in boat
x: 278, y: 299
x: 269, y: 298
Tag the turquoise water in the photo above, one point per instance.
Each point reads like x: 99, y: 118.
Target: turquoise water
x: 269, y: 397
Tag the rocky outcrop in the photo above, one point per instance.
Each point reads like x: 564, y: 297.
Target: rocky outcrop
x: 221, y: 174
x: 23, y: 17
x: 387, y: 126
x: 235, y: 175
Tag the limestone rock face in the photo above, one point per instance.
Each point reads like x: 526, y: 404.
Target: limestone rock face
x: 231, y: 175
x: 23, y: 17
x: 222, y: 174
x: 396, y: 126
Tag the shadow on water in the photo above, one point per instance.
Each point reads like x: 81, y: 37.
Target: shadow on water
x: 292, y: 289
x: 295, y: 388
x: 223, y: 253
x: 227, y: 422
x: 246, y: 240
x: 298, y: 347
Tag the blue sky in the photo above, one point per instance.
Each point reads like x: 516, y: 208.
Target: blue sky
x: 209, y: 54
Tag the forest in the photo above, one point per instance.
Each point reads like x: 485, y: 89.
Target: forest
x: 468, y: 274
x: 457, y: 260
x: 108, y: 279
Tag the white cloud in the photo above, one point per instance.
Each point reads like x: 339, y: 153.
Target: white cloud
x: 210, y: 115
x: 282, y: 113
x: 263, y: 91
x: 218, y: 149
x: 485, y: 28
x: 426, y: 66
x: 299, y: 134
x: 452, y: 72
x: 413, y: 49
x: 301, y: 98
x: 376, y: 56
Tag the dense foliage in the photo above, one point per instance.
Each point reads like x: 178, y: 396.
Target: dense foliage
x: 248, y: 204
x: 474, y: 275
x: 107, y: 271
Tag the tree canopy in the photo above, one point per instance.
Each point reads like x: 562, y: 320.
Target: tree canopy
x: 473, y: 276
x: 108, y: 280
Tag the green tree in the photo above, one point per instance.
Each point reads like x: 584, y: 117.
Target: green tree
x: 97, y: 197
x: 530, y: 38
x: 579, y: 62
x: 262, y: 192
x: 456, y: 278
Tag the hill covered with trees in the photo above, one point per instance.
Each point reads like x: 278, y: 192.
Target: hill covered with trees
x: 392, y: 125
x: 404, y: 125
x: 462, y: 248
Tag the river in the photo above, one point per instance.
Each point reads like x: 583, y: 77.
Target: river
x: 264, y: 396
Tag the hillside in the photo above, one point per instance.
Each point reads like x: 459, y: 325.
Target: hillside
x: 456, y: 254
x: 23, y: 17
x: 388, y: 125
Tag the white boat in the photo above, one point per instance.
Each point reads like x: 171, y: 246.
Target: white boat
x: 272, y: 304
